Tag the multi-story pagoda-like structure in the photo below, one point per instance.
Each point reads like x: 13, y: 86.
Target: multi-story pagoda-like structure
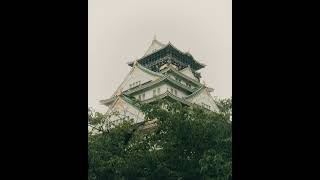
x: 163, y: 72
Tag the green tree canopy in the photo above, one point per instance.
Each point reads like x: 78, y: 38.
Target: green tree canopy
x: 186, y: 143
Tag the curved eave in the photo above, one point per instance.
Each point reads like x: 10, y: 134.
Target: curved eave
x: 145, y: 69
x: 144, y: 86
x: 154, y: 83
x: 182, y: 86
x: 187, y: 54
x: 146, y: 56
x: 170, y: 68
x: 196, y: 92
x: 128, y: 100
x: 149, y: 71
x: 166, y: 95
x: 107, y: 102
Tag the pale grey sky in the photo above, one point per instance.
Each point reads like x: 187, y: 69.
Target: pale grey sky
x: 122, y: 30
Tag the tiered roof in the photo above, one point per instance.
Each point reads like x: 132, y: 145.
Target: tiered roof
x: 163, y: 78
x: 157, y: 51
x: 180, y: 74
x: 179, y: 64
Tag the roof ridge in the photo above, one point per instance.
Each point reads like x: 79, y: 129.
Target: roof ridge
x: 188, y: 67
x: 180, y: 73
x: 168, y: 94
x: 148, y: 70
x: 196, y: 92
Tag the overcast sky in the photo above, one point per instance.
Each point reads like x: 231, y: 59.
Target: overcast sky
x: 122, y: 30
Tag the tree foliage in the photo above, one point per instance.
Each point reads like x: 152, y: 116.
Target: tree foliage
x: 186, y: 143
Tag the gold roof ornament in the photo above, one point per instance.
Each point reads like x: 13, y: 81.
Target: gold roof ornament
x: 135, y: 62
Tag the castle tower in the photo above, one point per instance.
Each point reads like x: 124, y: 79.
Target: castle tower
x: 162, y: 72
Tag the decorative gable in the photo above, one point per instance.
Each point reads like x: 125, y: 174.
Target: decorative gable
x: 136, y: 77
x: 188, y: 72
x: 126, y: 111
x: 204, y: 99
x: 155, y: 46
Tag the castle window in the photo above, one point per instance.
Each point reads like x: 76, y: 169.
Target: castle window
x: 158, y: 90
x: 135, y: 84
x: 140, y: 97
x: 175, y: 92
x: 171, y: 90
x: 143, y: 96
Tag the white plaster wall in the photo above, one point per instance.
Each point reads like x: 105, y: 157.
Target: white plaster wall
x: 137, y: 75
x: 179, y: 93
x: 149, y: 93
x: 163, y: 89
